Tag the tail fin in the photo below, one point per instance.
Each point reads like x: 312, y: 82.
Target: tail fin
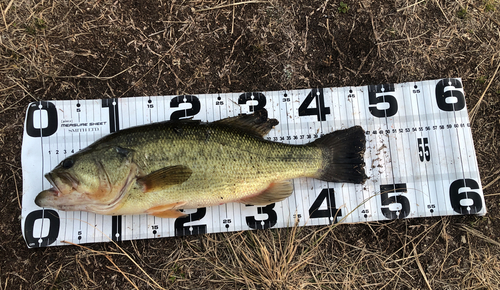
x: 343, y: 156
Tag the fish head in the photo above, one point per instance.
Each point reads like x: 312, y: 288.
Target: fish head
x: 94, y: 180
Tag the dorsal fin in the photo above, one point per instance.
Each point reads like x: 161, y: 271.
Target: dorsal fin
x: 257, y: 123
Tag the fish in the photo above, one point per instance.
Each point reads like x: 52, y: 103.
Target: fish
x: 161, y: 168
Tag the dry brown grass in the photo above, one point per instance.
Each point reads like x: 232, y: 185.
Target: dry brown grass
x: 97, y: 49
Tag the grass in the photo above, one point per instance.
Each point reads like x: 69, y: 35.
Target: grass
x: 99, y: 49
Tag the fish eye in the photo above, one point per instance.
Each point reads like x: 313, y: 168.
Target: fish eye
x: 68, y: 163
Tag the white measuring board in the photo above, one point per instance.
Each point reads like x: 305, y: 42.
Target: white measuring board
x: 420, y: 158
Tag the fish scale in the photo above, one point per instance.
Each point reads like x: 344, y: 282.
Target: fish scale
x: 226, y: 166
x: 161, y: 168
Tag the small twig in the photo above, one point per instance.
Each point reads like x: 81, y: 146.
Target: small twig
x: 158, y: 62
x: 409, y: 6
x: 440, y: 8
x: 15, y: 103
x: 109, y: 259
x: 55, y: 279
x: 479, y: 235
x: 7, y: 88
x: 156, y: 33
x: 304, y: 50
x: 103, y: 67
x: 494, y: 180
x: 17, y: 190
x: 420, y: 267
x: 489, y: 17
x: 4, y: 12
x: 121, y: 249
x: 474, y: 110
x: 493, y: 194
x: 363, y: 62
x: 375, y: 33
x: 403, y: 39
x: 323, y: 6
x: 232, y: 4
x: 92, y: 75
x: 234, y: 45
x: 120, y: 270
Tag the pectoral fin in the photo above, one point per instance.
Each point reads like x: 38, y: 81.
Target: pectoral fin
x: 277, y: 191
x: 167, y: 210
x: 164, y: 178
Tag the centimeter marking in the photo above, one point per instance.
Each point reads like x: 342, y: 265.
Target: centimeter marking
x: 420, y: 158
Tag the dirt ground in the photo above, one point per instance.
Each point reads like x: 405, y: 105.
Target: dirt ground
x: 100, y: 49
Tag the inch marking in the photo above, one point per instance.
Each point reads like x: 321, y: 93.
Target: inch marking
x: 114, y: 126
x: 424, y: 116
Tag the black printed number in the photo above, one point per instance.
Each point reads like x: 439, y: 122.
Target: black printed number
x: 272, y: 218
x: 320, y: 110
x: 386, y: 98
x: 53, y: 223
x: 51, y: 111
x: 195, y: 107
x: 331, y: 211
x: 259, y: 97
x: 182, y: 230
x: 404, y: 204
x: 465, y: 201
x: 423, y: 149
x: 449, y: 97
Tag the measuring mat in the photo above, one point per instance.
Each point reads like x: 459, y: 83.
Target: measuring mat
x: 420, y: 158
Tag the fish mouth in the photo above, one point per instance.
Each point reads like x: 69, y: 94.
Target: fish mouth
x: 54, y: 188
x: 62, y: 183
x: 42, y: 198
x: 66, y: 193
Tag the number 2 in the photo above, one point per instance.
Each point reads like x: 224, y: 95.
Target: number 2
x: 182, y: 230
x: 195, y: 107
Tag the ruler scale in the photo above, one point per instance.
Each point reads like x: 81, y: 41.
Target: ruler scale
x: 420, y: 158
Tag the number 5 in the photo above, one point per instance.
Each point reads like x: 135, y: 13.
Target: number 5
x: 423, y: 149
x: 400, y: 200
x: 388, y: 98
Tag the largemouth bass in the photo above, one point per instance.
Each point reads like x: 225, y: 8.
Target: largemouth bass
x: 160, y: 168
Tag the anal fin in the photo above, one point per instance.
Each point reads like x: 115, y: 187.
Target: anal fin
x: 167, y: 210
x: 277, y: 191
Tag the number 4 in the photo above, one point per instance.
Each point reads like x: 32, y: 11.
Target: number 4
x: 321, y: 111
x: 331, y: 212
